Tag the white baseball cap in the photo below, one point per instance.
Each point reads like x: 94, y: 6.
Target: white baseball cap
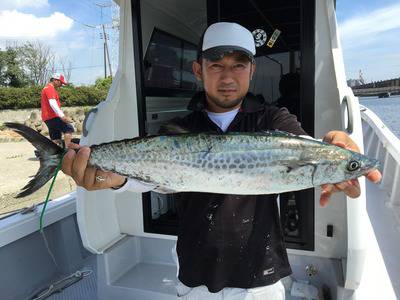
x: 58, y: 76
x: 223, y: 38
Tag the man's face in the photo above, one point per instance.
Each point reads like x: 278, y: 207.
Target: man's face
x: 57, y: 83
x: 226, y: 81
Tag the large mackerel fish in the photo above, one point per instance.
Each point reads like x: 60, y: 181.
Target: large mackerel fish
x: 231, y: 163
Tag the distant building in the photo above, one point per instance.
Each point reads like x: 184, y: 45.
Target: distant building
x: 354, y: 82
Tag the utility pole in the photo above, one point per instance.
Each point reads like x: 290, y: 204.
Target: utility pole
x: 106, y: 53
x: 104, y: 57
x: 105, y: 45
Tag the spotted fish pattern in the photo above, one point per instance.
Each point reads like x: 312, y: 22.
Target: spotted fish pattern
x: 231, y: 163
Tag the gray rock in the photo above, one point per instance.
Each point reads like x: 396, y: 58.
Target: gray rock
x: 34, y: 116
x: 43, y: 129
x: 79, y: 127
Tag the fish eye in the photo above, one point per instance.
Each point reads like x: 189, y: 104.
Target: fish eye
x: 353, y: 165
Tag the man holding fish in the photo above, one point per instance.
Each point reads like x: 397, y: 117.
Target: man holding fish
x: 223, y: 238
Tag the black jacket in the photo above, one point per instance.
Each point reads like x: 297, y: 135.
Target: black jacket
x: 232, y: 240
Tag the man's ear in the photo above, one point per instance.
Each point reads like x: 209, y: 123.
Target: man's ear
x: 252, y: 70
x: 196, y: 68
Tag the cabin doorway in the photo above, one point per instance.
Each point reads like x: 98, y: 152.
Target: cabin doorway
x: 166, y: 34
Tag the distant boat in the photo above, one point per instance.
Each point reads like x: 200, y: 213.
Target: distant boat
x: 384, y: 95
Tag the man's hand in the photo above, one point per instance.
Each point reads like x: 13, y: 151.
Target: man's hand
x: 351, y: 187
x: 66, y: 119
x: 76, y: 165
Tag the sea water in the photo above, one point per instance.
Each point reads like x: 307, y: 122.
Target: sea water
x: 387, y: 109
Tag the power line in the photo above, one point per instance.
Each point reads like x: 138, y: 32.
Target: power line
x: 84, y: 24
x: 103, y: 5
x: 86, y: 67
x: 89, y: 5
x: 73, y: 68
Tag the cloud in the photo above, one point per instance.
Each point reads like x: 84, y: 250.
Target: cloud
x: 17, y: 25
x: 14, y: 4
x: 369, y: 43
x: 369, y: 28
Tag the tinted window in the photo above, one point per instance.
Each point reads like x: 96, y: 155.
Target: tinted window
x: 168, y: 64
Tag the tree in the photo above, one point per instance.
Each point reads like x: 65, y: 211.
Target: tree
x: 37, y: 59
x: 103, y: 83
x: 66, y: 67
x: 11, y: 71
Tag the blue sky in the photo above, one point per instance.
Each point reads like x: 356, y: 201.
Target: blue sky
x: 71, y: 28
x: 369, y: 33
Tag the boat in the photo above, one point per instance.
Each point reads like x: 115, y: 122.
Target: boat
x: 106, y: 245
x: 384, y: 95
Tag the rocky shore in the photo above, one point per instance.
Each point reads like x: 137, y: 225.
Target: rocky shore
x: 32, y: 118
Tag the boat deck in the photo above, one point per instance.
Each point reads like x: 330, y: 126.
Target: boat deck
x: 384, y: 223
x: 386, y: 227
x: 85, y: 289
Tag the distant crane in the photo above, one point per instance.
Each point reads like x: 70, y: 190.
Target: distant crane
x: 360, y: 77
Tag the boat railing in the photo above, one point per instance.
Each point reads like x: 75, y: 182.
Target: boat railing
x: 381, y: 143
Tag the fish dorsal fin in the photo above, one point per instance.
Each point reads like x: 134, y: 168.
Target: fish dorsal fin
x: 277, y: 132
x: 172, y: 128
x: 164, y: 190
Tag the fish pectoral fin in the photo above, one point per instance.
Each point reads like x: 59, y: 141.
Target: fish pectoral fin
x: 164, y: 190
x: 292, y: 165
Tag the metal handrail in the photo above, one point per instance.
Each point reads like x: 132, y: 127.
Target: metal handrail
x: 349, y: 106
x: 385, y: 135
x: 385, y: 146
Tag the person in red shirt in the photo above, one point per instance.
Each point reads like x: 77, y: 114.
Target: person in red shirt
x: 52, y: 114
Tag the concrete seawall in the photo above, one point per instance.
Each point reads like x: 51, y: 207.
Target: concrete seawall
x: 32, y: 118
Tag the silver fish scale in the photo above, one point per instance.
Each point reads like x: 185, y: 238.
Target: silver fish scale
x: 232, y: 163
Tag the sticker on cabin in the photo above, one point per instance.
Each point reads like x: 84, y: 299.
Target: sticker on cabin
x: 273, y: 38
x: 260, y: 37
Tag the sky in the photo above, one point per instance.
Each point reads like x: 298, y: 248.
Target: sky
x: 368, y: 29
x: 71, y: 28
x: 369, y: 33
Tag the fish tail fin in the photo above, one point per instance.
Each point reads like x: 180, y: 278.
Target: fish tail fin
x: 49, y: 155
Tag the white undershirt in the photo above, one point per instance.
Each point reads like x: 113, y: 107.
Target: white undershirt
x: 54, y: 105
x: 222, y: 120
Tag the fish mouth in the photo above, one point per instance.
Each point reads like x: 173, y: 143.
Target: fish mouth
x: 371, y: 164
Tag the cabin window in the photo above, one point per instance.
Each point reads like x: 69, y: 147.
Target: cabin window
x: 168, y: 66
x: 168, y: 85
